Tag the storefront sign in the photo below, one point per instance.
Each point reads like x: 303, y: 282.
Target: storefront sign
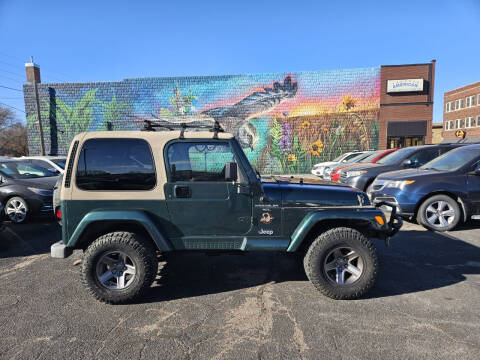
x: 406, y: 85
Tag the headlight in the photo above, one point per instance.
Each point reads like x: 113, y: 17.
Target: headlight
x: 398, y: 184
x: 41, y: 192
x: 327, y: 170
x: 355, y: 173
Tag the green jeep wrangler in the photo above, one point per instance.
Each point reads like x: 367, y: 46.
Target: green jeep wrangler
x: 128, y: 195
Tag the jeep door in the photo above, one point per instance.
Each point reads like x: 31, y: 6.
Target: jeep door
x: 200, y: 200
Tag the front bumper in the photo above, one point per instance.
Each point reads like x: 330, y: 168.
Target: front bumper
x: 404, y: 207
x: 393, y: 225
x: 359, y: 182
x: 60, y: 251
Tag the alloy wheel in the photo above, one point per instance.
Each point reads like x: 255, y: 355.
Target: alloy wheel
x: 440, y: 214
x: 115, y: 270
x: 343, y: 266
x: 16, y: 210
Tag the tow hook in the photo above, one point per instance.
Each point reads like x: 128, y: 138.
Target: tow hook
x: 394, y: 224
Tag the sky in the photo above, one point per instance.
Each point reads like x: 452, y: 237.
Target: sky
x: 81, y: 41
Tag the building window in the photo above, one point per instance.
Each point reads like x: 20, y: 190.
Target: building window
x: 470, y: 122
x: 458, y: 123
x: 449, y: 125
x: 449, y: 106
x: 459, y: 104
x: 478, y: 120
x: 470, y: 101
x: 478, y: 99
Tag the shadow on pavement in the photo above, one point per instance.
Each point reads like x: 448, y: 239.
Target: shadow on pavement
x: 32, y: 238
x: 415, y: 261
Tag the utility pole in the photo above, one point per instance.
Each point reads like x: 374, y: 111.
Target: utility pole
x: 39, y: 117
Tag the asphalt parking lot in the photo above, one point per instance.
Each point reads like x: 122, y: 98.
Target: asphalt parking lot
x: 255, y: 306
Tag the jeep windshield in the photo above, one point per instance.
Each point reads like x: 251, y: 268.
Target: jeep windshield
x: 23, y: 169
x: 452, y: 160
x: 396, y: 157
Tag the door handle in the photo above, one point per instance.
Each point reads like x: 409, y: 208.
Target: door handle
x: 182, y: 191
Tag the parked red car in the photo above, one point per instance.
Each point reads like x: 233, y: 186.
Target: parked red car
x: 377, y: 155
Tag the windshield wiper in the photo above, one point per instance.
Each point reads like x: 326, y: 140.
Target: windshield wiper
x: 430, y: 168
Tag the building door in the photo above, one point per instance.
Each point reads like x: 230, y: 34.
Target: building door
x: 406, y: 133
x: 397, y: 142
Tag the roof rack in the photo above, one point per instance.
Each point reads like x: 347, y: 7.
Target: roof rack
x: 215, y: 127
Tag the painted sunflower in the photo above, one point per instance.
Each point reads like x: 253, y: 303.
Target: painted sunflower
x: 291, y: 157
x: 348, y: 102
x: 316, y: 148
x: 305, y: 125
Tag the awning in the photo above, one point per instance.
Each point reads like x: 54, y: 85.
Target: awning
x: 407, y: 128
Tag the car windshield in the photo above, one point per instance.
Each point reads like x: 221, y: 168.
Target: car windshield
x: 338, y: 158
x: 372, y: 156
x: 23, y: 169
x: 60, y: 162
x: 452, y: 160
x: 396, y: 157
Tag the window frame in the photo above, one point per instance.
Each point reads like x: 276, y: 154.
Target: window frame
x: 238, y: 161
x: 448, y: 107
x: 155, y: 184
x: 468, y: 122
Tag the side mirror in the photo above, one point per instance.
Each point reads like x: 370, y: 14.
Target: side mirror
x: 231, y: 171
x: 477, y: 171
x: 407, y: 163
x: 2, y: 179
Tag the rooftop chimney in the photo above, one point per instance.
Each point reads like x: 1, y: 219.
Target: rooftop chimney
x: 33, y: 72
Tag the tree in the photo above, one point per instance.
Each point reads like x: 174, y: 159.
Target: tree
x: 13, y: 135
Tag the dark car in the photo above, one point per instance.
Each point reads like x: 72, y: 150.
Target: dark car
x: 362, y: 176
x: 439, y: 194
x: 25, y: 189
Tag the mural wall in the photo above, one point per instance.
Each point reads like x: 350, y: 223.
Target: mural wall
x: 285, y: 122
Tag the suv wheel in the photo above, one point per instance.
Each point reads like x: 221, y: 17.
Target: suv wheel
x: 341, y: 263
x: 119, y: 267
x: 439, y: 213
x: 16, y: 209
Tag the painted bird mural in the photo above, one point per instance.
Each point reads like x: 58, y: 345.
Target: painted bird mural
x: 234, y: 118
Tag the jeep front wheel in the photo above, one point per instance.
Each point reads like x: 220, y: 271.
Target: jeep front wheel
x: 341, y: 263
x: 119, y: 267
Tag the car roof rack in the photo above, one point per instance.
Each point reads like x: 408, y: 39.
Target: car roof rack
x: 214, y: 126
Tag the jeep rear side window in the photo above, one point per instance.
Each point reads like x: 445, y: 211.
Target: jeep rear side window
x: 199, y: 161
x: 115, y: 164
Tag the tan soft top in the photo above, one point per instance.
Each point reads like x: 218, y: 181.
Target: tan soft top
x: 160, y: 136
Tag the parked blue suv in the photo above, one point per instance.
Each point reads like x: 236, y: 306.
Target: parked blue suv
x: 439, y: 194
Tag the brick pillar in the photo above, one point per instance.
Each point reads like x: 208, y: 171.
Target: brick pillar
x: 33, y: 72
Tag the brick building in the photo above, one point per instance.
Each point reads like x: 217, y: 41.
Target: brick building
x: 461, y: 114
x: 406, y: 105
x: 286, y: 122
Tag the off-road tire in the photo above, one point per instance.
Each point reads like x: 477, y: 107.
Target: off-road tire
x: 421, y: 214
x: 321, y: 247
x: 137, y: 248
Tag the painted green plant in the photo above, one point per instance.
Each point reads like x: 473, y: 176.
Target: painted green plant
x: 72, y: 120
x: 180, y: 103
x: 113, y: 112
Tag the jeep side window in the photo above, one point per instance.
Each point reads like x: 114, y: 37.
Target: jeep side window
x: 115, y: 164
x: 199, y: 161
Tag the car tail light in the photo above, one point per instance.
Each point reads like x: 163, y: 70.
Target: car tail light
x: 58, y: 214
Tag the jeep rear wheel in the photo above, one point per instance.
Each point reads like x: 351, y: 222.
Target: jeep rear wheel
x: 341, y: 263
x: 119, y: 267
